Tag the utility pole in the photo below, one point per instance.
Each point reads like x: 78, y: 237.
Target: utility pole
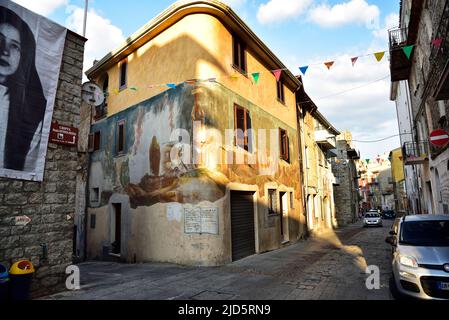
x: 85, y: 18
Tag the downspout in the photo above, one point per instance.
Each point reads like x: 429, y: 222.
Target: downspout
x: 304, y: 174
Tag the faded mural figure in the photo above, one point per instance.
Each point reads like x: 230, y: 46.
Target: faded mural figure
x: 22, y: 101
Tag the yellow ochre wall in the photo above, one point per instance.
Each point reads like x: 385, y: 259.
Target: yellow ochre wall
x: 198, y: 46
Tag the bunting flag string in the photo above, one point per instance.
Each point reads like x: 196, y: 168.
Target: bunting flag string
x: 407, y: 50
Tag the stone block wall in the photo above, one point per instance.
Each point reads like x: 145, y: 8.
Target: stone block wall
x: 47, y: 241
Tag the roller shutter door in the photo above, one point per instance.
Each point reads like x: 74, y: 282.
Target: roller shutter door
x: 242, y: 224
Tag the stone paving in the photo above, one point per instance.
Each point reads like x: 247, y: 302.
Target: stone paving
x: 330, y: 266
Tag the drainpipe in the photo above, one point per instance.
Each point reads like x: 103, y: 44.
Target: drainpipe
x: 303, y: 172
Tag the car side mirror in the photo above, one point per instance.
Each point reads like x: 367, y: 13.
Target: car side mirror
x: 391, y: 240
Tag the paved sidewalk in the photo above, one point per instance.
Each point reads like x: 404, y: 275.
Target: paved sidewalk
x: 328, y: 266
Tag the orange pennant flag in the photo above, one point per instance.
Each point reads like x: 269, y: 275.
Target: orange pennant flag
x: 379, y: 55
x: 329, y: 64
x: 354, y: 60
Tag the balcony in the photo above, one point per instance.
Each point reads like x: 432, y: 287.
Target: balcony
x: 415, y: 153
x: 400, y: 65
x: 325, y: 139
x: 353, y: 154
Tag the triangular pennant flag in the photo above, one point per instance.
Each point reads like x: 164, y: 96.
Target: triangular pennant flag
x: 354, y: 60
x: 437, y: 42
x: 234, y: 76
x: 190, y: 82
x: 256, y: 76
x: 329, y: 64
x: 171, y: 85
x: 408, y: 51
x: 133, y: 88
x: 277, y: 74
x: 116, y: 91
x: 379, y: 55
x: 304, y: 69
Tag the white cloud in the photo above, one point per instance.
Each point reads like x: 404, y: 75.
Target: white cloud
x: 365, y: 111
x: 102, y: 35
x: 278, y: 10
x: 43, y: 7
x: 391, y: 21
x: 354, y: 11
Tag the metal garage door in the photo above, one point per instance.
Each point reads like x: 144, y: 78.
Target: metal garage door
x: 242, y: 224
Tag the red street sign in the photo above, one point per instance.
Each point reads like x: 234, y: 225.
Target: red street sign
x: 439, y: 137
x: 65, y: 135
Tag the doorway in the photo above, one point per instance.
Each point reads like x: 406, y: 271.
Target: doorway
x: 116, y: 228
x: 284, y: 216
x: 243, y: 239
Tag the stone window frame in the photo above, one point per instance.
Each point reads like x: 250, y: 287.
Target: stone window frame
x: 120, y: 123
x: 123, y: 74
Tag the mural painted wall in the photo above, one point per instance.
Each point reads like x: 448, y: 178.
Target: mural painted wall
x: 153, y: 185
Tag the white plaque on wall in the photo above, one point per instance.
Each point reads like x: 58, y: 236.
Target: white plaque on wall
x: 192, y: 220
x: 201, y: 220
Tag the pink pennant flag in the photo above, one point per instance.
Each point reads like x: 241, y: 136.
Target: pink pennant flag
x: 354, y: 60
x: 277, y: 74
x: 437, y: 42
x: 329, y: 64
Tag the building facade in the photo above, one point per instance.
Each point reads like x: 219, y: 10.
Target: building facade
x: 193, y: 160
x: 346, y: 189
x: 49, y: 205
x: 317, y: 138
x: 425, y: 24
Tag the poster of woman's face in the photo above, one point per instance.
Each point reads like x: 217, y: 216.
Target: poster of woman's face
x: 31, y: 49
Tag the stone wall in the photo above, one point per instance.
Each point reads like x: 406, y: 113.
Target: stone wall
x: 47, y: 239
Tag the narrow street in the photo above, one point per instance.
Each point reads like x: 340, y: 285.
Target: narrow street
x: 330, y: 266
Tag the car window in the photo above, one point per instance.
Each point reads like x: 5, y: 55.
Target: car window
x: 372, y: 215
x: 425, y: 233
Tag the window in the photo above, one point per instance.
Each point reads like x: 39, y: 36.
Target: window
x: 284, y: 145
x: 272, y: 201
x: 123, y: 74
x: 280, y: 91
x: 93, y: 220
x: 238, y: 56
x: 100, y: 111
x: 292, y: 201
x: 242, y: 124
x: 307, y: 158
x: 94, y: 141
x: 120, y: 136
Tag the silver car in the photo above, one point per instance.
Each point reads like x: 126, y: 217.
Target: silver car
x: 421, y: 256
x: 372, y: 219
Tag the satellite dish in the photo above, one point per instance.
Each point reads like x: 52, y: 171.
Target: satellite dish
x: 92, y: 94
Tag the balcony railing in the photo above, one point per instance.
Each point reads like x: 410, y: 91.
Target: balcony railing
x: 398, y: 37
x: 416, y: 153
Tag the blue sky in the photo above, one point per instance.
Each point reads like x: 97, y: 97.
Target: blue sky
x: 299, y: 32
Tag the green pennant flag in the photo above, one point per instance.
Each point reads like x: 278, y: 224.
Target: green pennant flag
x: 367, y: 160
x: 256, y: 76
x: 408, y: 51
x: 133, y: 88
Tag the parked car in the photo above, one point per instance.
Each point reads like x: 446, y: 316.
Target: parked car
x: 388, y: 214
x: 372, y: 219
x: 420, y: 259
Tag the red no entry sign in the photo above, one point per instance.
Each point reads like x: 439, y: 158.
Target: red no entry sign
x: 439, y: 137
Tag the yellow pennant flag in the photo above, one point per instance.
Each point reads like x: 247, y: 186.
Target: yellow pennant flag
x: 234, y: 76
x: 379, y: 55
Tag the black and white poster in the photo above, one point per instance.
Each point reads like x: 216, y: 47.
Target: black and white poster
x: 31, y: 49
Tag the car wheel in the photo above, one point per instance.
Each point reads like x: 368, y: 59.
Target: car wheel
x: 395, y: 292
